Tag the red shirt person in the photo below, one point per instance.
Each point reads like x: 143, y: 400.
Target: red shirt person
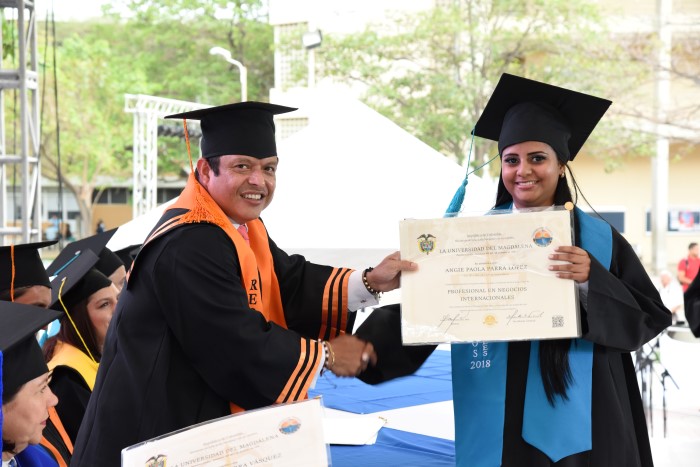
x: 688, y: 267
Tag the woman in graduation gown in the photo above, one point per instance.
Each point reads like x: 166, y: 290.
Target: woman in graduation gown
x: 570, y: 402
x: 23, y: 279
x: 26, y: 396
x: 75, y: 352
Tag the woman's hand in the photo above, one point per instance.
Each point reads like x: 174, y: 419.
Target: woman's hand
x: 579, y: 263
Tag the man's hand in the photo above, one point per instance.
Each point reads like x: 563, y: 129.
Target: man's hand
x: 350, y: 355
x: 386, y: 276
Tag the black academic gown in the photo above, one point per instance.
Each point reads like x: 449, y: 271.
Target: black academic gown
x: 73, y: 395
x: 691, y: 298
x: 183, y: 343
x: 623, y: 312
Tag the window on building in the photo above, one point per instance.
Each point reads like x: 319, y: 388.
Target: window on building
x: 112, y: 195
x: 614, y: 217
x: 166, y: 194
x: 680, y: 220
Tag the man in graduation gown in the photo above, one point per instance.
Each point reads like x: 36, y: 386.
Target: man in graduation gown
x: 503, y: 415
x: 215, y: 318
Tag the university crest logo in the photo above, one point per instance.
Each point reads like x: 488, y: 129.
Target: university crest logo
x: 289, y: 426
x: 426, y: 243
x: 160, y: 460
x: 542, y: 237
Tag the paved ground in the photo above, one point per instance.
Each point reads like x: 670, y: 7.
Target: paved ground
x: 681, y: 445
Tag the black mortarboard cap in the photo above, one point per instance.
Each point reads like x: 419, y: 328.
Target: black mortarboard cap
x: 71, y: 276
x: 521, y: 109
x: 108, y: 262
x: 22, y: 359
x: 243, y: 128
x: 96, y: 243
x: 29, y: 269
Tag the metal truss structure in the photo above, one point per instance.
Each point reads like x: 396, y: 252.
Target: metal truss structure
x: 147, y: 111
x: 24, y: 80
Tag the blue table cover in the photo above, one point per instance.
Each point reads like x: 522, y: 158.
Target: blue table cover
x: 431, y: 383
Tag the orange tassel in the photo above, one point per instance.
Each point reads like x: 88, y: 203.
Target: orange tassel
x: 12, y: 281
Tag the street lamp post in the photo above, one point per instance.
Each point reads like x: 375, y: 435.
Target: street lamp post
x: 241, y: 68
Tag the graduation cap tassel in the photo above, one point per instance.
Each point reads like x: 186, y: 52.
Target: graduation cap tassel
x: 65, y: 310
x: 12, y: 281
x: 458, y: 198
x: 187, y: 143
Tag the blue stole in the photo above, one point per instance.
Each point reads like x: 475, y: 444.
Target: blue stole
x: 479, y: 387
x: 35, y: 456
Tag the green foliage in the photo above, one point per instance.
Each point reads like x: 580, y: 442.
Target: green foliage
x: 92, y: 82
x: 152, y: 47
x: 433, y: 72
x: 159, y: 48
x: 9, y: 39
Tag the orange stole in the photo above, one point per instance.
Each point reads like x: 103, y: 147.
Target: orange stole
x: 53, y: 415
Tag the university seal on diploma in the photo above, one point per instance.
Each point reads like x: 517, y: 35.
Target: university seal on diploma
x: 487, y: 278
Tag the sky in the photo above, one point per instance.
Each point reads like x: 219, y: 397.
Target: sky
x: 65, y: 10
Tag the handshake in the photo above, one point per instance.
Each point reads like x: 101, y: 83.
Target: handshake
x: 349, y: 355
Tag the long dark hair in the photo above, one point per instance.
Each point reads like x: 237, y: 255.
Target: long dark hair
x: 67, y: 333
x: 554, y: 354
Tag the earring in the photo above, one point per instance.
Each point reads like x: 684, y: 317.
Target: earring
x: 561, y: 175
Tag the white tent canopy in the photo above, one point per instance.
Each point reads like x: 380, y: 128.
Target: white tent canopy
x: 136, y: 230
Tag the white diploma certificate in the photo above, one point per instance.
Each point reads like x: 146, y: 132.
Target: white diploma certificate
x: 487, y: 278
x: 280, y: 435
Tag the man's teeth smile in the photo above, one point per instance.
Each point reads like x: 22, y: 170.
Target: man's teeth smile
x: 256, y: 196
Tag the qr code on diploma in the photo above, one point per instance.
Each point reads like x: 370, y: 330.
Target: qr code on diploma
x: 558, y: 321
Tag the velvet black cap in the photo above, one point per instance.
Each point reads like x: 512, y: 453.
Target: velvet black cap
x: 69, y: 280
x: 28, y: 268
x: 22, y: 358
x: 95, y: 243
x: 243, y: 128
x: 522, y: 109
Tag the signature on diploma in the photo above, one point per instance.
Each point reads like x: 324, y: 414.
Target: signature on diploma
x: 448, y: 320
x: 527, y: 316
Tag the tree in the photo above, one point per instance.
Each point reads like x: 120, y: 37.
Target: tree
x: 158, y: 48
x: 92, y: 82
x: 433, y: 72
x: 172, y: 38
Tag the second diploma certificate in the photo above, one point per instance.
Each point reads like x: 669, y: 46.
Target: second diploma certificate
x: 487, y: 278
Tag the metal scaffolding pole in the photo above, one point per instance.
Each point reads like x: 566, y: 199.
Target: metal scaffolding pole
x: 23, y: 79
